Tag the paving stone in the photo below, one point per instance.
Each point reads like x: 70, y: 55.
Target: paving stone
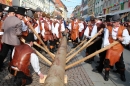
x: 77, y: 76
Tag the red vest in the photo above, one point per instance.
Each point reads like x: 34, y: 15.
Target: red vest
x: 114, y: 53
x: 21, y: 58
x: 48, y: 34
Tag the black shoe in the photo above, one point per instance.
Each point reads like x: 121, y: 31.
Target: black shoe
x: 123, y: 78
x: 96, y: 71
x: 116, y: 71
x: 106, y: 77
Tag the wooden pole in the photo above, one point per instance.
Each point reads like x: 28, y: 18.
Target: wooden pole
x: 92, y: 42
x: 44, y: 58
x: 56, y: 73
x: 39, y: 54
x: 91, y: 55
x: 76, y: 47
x: 84, y: 46
x: 30, y: 26
x: 35, y: 43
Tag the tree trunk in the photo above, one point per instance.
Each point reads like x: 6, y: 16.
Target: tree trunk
x: 56, y: 73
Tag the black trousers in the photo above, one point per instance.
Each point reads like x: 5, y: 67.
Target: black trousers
x: 119, y: 65
x: 55, y: 42
x: 21, y: 78
x: 101, y: 61
x: 91, y: 49
x: 75, y: 41
x: 4, y: 51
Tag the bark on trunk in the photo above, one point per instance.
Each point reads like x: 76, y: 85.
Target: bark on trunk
x: 56, y: 73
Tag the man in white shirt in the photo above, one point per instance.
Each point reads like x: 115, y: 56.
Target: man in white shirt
x: 114, y: 54
x: 22, y: 56
x: 90, y: 31
x: 81, y: 29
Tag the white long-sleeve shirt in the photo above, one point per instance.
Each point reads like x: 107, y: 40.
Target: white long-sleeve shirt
x: 94, y: 31
x: 25, y: 27
x: 37, y: 29
x: 62, y: 27
x: 125, y: 36
x: 34, y: 61
x: 81, y: 27
x: 69, y: 26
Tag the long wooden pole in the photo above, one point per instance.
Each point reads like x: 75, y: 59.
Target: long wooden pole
x: 91, y: 55
x: 30, y: 26
x: 92, y: 42
x: 44, y: 58
x: 39, y: 54
x: 84, y: 46
x: 76, y: 47
x: 35, y: 43
x: 56, y: 73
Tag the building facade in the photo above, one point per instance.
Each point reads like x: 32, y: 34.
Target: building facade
x: 84, y: 8
x: 60, y: 9
x: 91, y: 7
x: 112, y: 7
x: 77, y: 11
x: 98, y: 8
x: 33, y: 4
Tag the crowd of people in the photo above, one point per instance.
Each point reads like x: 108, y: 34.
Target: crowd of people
x: 14, y: 24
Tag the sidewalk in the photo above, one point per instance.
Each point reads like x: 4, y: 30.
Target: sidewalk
x: 114, y: 79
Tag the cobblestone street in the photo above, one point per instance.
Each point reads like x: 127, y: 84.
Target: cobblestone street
x: 77, y: 76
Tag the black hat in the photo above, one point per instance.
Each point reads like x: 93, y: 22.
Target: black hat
x: 108, y: 18
x: 11, y: 9
x: 21, y: 11
x: 29, y: 37
x: 1, y: 8
x: 33, y: 11
x: 116, y: 17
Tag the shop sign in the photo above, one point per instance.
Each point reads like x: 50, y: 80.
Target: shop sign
x: 115, y: 8
x: 6, y: 2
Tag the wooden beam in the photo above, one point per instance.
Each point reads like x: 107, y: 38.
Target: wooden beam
x: 56, y: 73
x: 91, y: 55
x: 76, y: 47
x: 35, y: 43
x: 39, y: 54
x: 30, y: 26
x: 92, y: 42
x: 84, y: 46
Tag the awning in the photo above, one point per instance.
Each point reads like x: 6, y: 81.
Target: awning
x: 121, y: 11
x: 6, y: 2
